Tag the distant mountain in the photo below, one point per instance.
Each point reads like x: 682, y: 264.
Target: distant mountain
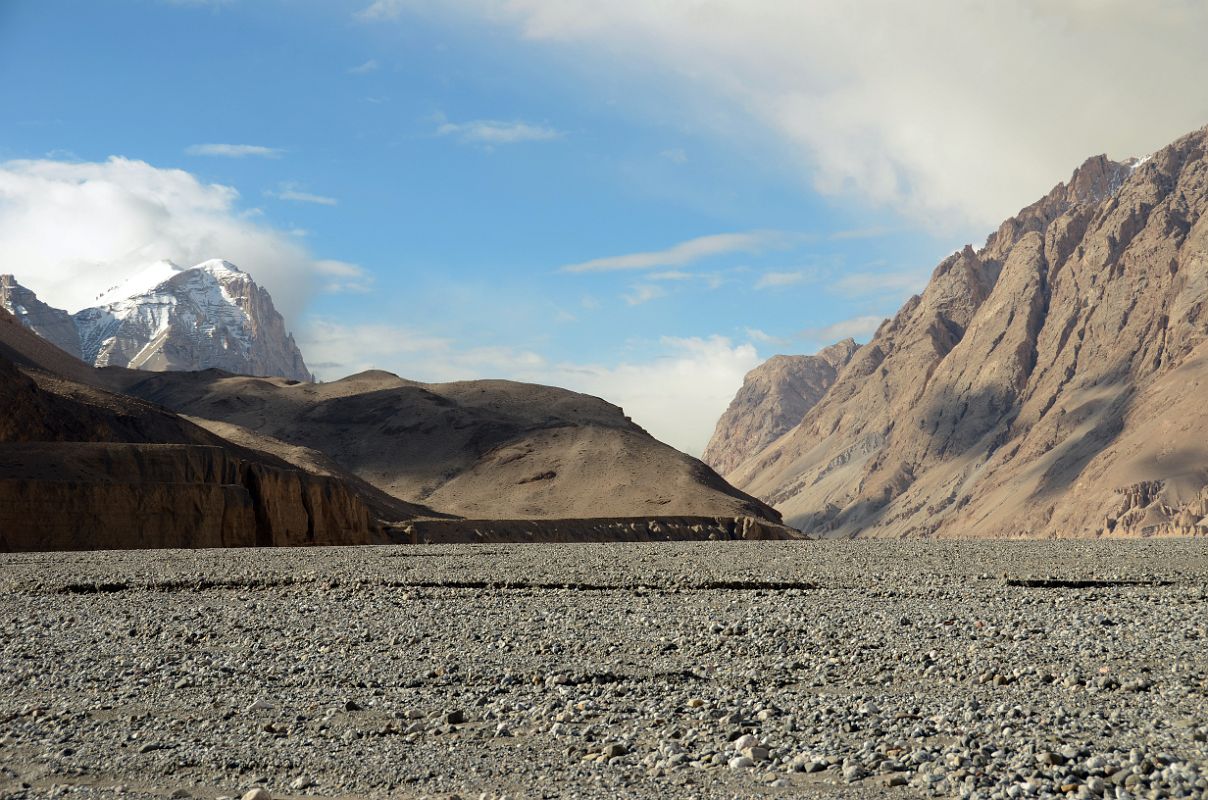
x: 52, y: 324
x: 774, y: 397
x: 212, y: 315
x: 485, y: 449
x: 1050, y: 383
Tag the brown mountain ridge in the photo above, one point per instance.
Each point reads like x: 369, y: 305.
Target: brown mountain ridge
x: 1049, y: 384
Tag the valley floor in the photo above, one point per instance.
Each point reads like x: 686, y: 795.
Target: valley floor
x: 745, y: 669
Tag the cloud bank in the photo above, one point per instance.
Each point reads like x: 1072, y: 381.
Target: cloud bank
x: 71, y: 230
x: 953, y: 112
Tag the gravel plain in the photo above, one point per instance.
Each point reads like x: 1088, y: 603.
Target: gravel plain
x: 727, y: 670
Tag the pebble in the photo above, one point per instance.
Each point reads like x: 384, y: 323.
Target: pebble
x: 390, y: 671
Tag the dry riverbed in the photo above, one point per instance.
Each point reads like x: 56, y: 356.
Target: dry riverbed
x: 723, y: 670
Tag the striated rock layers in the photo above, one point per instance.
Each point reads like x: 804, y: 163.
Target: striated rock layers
x: 1051, y: 383
x: 212, y: 315
x: 774, y: 397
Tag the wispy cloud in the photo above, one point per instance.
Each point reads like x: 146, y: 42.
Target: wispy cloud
x: 671, y: 275
x: 644, y: 293
x: 381, y: 9
x: 683, y: 253
x: 863, y: 284
x: 491, y: 132
x: 365, y: 68
x: 676, y: 155
x: 777, y: 280
x: 233, y: 150
x: 292, y: 193
x: 872, y: 232
x: 877, y: 109
x: 856, y: 327
x: 342, y: 276
x: 763, y: 337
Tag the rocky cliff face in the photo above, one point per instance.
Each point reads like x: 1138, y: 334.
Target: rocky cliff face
x: 1049, y: 384
x: 94, y: 496
x: 212, y: 315
x: 52, y: 324
x: 82, y: 468
x: 774, y: 397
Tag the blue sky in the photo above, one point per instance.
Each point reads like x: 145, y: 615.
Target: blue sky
x: 612, y: 200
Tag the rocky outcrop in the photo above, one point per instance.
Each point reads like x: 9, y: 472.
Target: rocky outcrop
x: 92, y: 496
x: 212, y: 315
x: 52, y: 324
x: 1048, y: 384
x: 774, y: 397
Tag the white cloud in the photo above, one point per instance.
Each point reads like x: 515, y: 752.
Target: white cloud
x: 365, y: 68
x: 70, y: 230
x: 683, y: 253
x: 677, y: 393
x: 342, y: 276
x: 778, y: 280
x: 949, y: 110
x: 232, y: 150
x: 293, y: 194
x: 644, y: 293
x: 491, y: 132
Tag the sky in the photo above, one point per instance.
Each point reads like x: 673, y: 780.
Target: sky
x: 639, y: 199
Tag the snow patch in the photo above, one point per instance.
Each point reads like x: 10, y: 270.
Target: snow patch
x: 1138, y: 162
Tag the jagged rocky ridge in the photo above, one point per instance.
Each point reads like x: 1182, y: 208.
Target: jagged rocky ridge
x: 774, y: 397
x: 212, y: 315
x: 1048, y: 384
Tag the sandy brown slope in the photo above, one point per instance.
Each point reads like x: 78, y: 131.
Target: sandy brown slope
x: 479, y: 449
x: 1049, y: 384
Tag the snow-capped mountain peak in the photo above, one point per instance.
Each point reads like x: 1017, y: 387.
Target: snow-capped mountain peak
x: 165, y: 317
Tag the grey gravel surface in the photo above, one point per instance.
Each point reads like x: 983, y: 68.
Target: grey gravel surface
x: 728, y: 670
